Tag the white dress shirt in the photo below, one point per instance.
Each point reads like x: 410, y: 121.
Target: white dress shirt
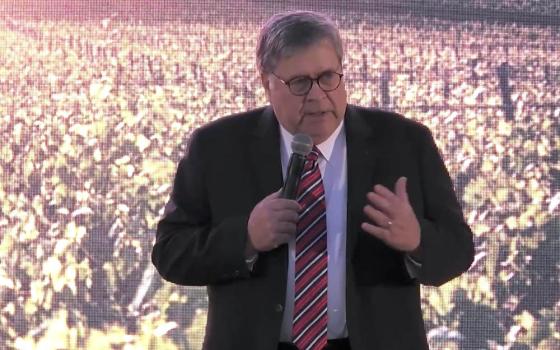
x: 332, y: 164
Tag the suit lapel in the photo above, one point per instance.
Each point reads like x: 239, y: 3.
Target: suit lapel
x: 361, y: 154
x: 265, y: 154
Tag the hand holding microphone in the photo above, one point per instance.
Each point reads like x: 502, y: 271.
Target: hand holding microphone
x: 274, y: 219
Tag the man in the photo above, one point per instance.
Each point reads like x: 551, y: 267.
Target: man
x: 340, y: 266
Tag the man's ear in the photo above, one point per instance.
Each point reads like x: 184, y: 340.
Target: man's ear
x: 265, y: 81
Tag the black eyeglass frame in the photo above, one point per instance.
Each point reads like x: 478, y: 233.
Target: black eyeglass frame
x: 312, y: 80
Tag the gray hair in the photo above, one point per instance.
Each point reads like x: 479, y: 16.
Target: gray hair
x: 285, y: 33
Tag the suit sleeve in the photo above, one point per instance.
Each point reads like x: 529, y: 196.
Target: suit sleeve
x: 190, y: 248
x: 446, y: 239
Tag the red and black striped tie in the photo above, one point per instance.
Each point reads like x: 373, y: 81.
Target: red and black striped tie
x: 310, y: 303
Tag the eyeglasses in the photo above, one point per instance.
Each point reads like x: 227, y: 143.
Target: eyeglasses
x: 299, y: 86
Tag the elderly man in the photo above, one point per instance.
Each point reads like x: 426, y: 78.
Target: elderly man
x: 339, y: 267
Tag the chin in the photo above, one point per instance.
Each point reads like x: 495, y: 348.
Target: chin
x: 320, y: 134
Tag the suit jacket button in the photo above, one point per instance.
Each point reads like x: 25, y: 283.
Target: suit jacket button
x: 236, y: 273
x: 279, y: 308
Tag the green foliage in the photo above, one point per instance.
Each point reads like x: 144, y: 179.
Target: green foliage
x: 94, y: 118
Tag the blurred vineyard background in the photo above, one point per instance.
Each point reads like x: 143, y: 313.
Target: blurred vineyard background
x: 98, y: 99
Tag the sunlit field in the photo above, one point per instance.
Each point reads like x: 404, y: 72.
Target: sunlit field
x: 96, y: 113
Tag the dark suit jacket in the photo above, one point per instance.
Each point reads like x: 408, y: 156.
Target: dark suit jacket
x: 232, y: 163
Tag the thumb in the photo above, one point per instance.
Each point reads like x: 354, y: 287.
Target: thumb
x: 400, y: 188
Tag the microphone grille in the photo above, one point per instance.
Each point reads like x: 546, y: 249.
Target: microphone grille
x: 302, y: 144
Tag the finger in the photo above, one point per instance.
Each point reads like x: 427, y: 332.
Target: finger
x: 286, y: 228
x: 376, y: 231
x: 280, y: 239
x: 281, y: 204
x: 377, y: 216
x: 400, y: 188
x: 289, y: 216
x: 379, y: 202
x: 384, y: 192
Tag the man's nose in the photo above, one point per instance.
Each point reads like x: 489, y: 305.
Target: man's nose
x: 316, y: 92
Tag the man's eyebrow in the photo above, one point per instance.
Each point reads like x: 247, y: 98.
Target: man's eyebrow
x: 309, y: 76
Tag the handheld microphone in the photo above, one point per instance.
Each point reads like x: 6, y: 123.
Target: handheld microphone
x: 301, y: 146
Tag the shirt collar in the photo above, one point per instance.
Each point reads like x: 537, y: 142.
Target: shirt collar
x: 326, y: 147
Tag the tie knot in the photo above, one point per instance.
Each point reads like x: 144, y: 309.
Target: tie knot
x: 314, y: 154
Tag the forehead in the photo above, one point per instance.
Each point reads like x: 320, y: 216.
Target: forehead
x: 311, y: 60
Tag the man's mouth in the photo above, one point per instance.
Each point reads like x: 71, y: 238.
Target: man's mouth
x: 316, y: 113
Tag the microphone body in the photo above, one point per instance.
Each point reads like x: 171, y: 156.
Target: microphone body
x: 293, y: 175
x: 301, y: 146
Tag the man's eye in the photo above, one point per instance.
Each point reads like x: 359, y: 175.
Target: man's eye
x: 299, y: 85
x: 327, y: 77
x: 300, y: 81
